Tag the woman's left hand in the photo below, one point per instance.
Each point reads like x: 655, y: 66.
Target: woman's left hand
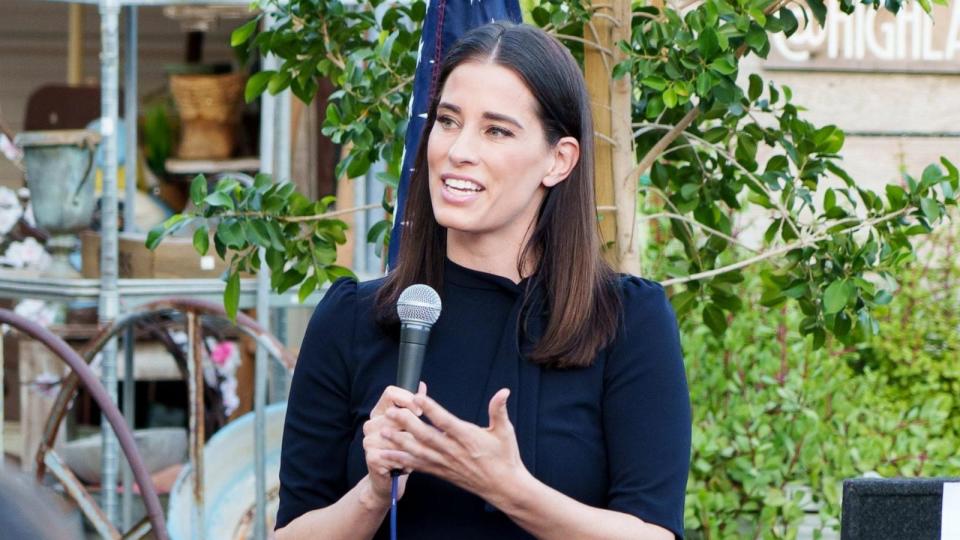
x: 477, y: 459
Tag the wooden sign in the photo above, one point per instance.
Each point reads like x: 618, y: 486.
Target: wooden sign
x: 873, y: 41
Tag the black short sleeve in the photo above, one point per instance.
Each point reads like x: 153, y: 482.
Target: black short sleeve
x: 318, y: 427
x: 646, y: 410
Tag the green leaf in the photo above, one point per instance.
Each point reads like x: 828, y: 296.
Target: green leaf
x: 231, y: 296
x: 154, y: 236
x: 897, y: 196
x: 714, y: 319
x: 819, y: 11
x: 683, y: 301
x: 716, y: 134
x: 723, y: 66
x: 829, y: 200
x: 198, y: 190
x: 757, y: 39
x: 336, y: 272
x: 219, y: 198
x: 670, y: 98
x: 756, y: 87
x: 278, y: 82
x: 708, y: 43
x: 882, y: 298
x: 540, y: 16
x: 171, y: 225
x: 242, y: 34
x: 930, y: 209
x: 789, y: 21
x: 931, y: 176
x: 306, y: 288
x: 655, y: 82
x: 836, y: 296
x: 256, y: 85
x: 201, y: 239
x: 378, y: 229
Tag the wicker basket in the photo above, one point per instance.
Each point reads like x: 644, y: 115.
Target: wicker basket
x: 209, y: 107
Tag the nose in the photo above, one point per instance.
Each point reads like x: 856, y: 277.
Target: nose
x: 463, y: 149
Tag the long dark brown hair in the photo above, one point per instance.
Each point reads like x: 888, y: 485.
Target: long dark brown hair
x: 579, y: 289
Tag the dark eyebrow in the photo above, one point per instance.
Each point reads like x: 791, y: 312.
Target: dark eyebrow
x: 488, y: 115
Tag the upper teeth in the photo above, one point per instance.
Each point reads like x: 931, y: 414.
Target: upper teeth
x: 457, y: 183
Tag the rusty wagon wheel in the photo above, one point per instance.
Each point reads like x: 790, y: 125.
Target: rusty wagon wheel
x: 195, y: 312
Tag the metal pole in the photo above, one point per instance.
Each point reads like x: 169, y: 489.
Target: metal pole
x: 268, y: 106
x: 131, y: 111
x: 2, y: 391
x: 281, y: 172
x: 130, y: 179
x: 129, y: 404
x: 109, y: 301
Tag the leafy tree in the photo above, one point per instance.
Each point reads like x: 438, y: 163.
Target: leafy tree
x: 706, y: 149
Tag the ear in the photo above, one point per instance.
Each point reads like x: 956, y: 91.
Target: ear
x: 566, y: 153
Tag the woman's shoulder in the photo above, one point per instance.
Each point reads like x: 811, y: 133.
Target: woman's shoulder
x: 344, y: 299
x: 643, y: 297
x: 347, y: 291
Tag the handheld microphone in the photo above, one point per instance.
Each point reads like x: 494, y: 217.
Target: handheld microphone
x: 418, y: 308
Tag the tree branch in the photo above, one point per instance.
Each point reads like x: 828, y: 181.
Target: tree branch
x: 301, y: 219
x: 593, y: 44
x: 782, y: 249
x: 697, y: 224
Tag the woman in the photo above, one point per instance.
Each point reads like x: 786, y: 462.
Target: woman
x: 557, y: 403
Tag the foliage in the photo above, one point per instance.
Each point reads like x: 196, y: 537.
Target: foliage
x: 158, y: 135
x: 778, y: 425
x: 835, y: 245
x: 917, y: 347
x: 369, y: 54
x: 300, y: 248
x: 710, y: 148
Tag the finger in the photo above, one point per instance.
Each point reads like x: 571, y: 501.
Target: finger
x: 422, y: 456
x: 375, y: 424
x: 497, y: 409
x: 422, y: 389
x: 442, y: 418
x: 382, y: 462
x: 394, y: 396
x: 406, y: 462
x: 425, y: 434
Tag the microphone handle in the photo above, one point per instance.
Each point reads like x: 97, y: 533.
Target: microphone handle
x: 413, y: 345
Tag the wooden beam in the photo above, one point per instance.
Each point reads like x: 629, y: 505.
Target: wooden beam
x: 615, y: 156
x: 596, y: 71
x: 75, y: 45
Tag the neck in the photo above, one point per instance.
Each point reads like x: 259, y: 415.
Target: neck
x: 490, y: 255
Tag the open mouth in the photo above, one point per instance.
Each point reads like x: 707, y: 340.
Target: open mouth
x: 458, y: 185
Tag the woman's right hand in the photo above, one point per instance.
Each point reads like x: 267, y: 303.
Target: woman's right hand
x: 383, y: 456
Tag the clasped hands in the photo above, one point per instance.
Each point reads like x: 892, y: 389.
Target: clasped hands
x: 482, y: 460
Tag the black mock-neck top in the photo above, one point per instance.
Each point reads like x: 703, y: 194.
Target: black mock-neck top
x: 614, y: 435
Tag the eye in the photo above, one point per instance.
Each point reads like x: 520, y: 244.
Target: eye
x: 446, y: 122
x: 499, y: 132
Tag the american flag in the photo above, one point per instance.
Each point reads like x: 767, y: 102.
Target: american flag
x: 445, y: 22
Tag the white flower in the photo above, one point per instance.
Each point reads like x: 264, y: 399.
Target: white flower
x: 28, y: 216
x: 10, y: 209
x: 27, y: 254
x: 37, y: 311
x: 228, y: 390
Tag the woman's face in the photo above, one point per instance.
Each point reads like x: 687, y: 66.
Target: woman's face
x: 489, y: 162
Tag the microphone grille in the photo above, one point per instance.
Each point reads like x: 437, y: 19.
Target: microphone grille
x: 419, y: 304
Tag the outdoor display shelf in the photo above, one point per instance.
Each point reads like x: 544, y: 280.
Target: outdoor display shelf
x: 108, y: 290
